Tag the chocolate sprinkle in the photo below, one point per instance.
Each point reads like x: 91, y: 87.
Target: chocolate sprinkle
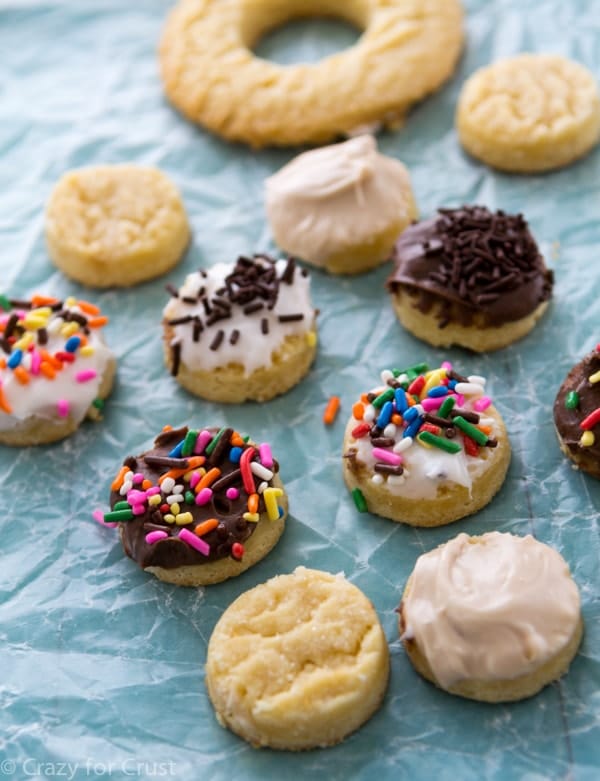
x: 264, y: 326
x: 172, y: 290
x: 216, y: 342
x: 168, y: 463
x: 290, y: 318
x: 175, y: 357
x: 234, y: 336
x: 388, y: 469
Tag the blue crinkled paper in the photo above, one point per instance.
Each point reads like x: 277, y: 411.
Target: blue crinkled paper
x: 102, y: 665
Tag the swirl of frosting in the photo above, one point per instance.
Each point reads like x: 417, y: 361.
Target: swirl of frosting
x: 491, y: 607
x: 337, y: 196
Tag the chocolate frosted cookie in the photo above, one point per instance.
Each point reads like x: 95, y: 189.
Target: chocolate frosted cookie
x: 470, y: 277
x: 201, y: 506
x: 241, y: 331
x: 577, y: 414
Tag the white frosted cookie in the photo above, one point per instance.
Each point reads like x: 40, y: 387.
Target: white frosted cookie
x: 210, y: 73
x: 115, y: 225
x: 54, y: 368
x: 243, y: 331
x: 340, y: 207
x: 491, y: 618
x: 532, y: 112
x: 425, y: 447
x: 298, y: 662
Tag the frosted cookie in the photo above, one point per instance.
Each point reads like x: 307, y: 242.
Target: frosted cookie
x: 54, y: 368
x: 210, y: 73
x: 298, y: 662
x: 492, y: 618
x: 115, y: 225
x: 425, y: 447
x: 577, y: 414
x: 532, y: 112
x: 340, y: 207
x: 470, y: 277
x: 201, y: 506
x: 243, y: 331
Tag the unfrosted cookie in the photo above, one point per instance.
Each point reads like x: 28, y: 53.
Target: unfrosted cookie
x: 243, y: 331
x: 470, y: 277
x: 492, y: 618
x: 298, y: 662
x: 407, y: 50
x: 577, y: 414
x: 201, y: 506
x: 54, y: 368
x: 532, y: 112
x: 115, y: 225
x: 341, y: 207
x: 425, y: 447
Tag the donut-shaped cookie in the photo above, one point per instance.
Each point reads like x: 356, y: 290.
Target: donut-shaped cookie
x: 298, y: 662
x: 408, y: 49
x: 533, y: 112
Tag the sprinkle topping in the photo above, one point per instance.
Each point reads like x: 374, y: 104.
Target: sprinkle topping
x: 188, y: 502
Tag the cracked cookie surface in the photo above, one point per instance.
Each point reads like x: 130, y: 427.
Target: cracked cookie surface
x: 532, y: 112
x: 115, y: 225
x: 297, y: 662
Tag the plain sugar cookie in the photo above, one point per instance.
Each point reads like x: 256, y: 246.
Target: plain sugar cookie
x: 492, y: 618
x: 425, y: 447
x: 115, y: 225
x: 407, y: 50
x: 298, y: 662
x: 341, y: 207
x: 529, y: 113
x: 201, y: 506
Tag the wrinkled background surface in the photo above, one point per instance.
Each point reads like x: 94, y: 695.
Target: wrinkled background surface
x: 102, y: 665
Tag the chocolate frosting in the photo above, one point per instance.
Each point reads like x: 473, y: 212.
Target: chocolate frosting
x: 472, y: 263
x: 172, y: 552
x: 567, y: 420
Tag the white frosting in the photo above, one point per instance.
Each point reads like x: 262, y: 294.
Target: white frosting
x: 426, y: 469
x: 253, y: 349
x: 491, y: 607
x: 40, y: 397
x: 335, y: 197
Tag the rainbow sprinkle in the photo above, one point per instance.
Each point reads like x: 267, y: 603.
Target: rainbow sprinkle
x: 423, y: 406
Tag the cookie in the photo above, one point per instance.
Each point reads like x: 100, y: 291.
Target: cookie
x: 407, y: 50
x: 577, y: 414
x: 115, y: 225
x: 340, y: 207
x: 200, y: 507
x: 242, y: 331
x: 54, y: 368
x: 425, y: 447
x: 470, y: 277
x: 493, y: 618
x: 529, y: 113
x: 298, y: 662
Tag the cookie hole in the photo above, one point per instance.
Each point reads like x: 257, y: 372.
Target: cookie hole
x: 306, y: 40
